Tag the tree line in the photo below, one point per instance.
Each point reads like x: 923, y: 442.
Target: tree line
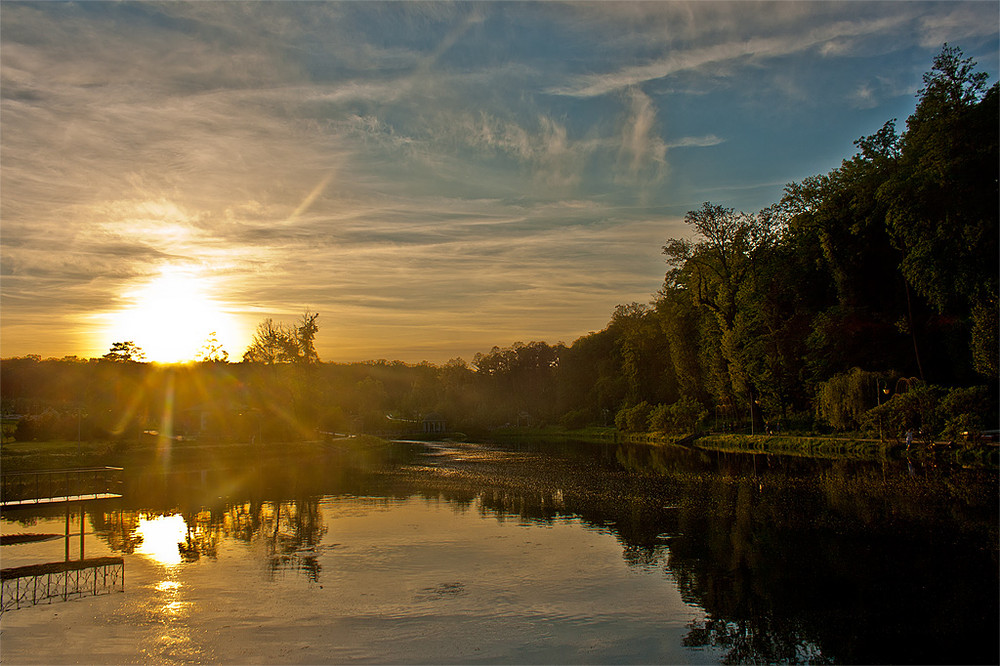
x: 866, y: 298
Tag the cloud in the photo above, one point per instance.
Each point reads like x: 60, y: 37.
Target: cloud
x: 405, y: 168
x: 696, y: 141
x: 642, y: 148
x: 742, y: 51
x: 960, y: 22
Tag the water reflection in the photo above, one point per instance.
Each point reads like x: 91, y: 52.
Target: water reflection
x: 288, y: 533
x: 159, y: 538
x: 791, y: 560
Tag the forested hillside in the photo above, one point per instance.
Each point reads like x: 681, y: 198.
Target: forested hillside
x: 867, y: 298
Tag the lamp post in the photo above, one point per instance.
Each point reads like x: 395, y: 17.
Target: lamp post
x: 879, y: 391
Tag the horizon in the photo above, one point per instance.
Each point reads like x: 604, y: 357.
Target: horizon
x: 433, y: 180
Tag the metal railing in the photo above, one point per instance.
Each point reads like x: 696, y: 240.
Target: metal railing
x: 60, y: 581
x: 59, y: 485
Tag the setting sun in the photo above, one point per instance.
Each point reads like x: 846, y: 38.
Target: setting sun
x: 171, y: 317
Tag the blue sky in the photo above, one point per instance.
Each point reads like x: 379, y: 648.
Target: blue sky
x: 434, y: 179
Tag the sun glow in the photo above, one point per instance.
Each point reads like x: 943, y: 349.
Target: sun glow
x: 172, y: 317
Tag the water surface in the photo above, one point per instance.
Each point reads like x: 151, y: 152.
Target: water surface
x: 567, y: 553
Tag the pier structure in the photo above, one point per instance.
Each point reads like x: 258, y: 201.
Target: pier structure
x: 68, y: 579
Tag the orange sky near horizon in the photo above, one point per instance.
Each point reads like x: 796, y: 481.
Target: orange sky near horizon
x: 432, y: 179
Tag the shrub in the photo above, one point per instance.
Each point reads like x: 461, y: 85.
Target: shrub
x: 633, y: 419
x: 916, y: 410
x: 659, y: 419
x: 688, y: 414
x: 966, y: 410
x: 684, y: 416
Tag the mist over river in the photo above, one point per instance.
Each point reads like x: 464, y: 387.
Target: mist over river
x: 560, y: 552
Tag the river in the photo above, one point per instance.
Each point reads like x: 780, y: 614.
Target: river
x: 543, y: 553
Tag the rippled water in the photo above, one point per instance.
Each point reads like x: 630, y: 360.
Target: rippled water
x: 547, y: 554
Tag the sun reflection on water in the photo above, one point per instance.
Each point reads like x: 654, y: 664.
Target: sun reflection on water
x: 160, y: 538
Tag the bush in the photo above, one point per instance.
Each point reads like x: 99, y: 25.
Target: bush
x: 916, y: 410
x: 688, y: 414
x: 684, y: 416
x: 966, y: 410
x: 659, y: 419
x: 633, y: 419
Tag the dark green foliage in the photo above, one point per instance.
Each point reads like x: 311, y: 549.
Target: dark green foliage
x: 634, y: 418
x: 942, y: 196
x: 887, y: 265
x: 687, y: 415
x: 966, y: 412
x: 914, y: 410
x: 843, y: 399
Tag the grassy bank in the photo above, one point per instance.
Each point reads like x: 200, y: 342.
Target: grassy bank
x: 549, y: 433
x: 846, y: 447
x: 814, y: 447
x: 786, y: 444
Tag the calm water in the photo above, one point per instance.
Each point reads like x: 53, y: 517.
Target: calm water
x: 567, y: 553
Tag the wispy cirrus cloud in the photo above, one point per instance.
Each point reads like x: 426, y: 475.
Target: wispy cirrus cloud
x: 743, y: 51
x: 433, y: 178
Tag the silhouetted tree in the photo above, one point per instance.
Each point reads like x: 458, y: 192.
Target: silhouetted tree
x: 212, y: 351
x: 305, y: 335
x: 125, y: 352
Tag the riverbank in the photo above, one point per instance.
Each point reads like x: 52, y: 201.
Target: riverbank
x: 812, y: 446
x: 980, y: 456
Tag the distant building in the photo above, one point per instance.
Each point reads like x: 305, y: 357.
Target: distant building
x: 432, y: 423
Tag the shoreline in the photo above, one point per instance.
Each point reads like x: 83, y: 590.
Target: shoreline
x: 19, y: 456
x: 811, y: 446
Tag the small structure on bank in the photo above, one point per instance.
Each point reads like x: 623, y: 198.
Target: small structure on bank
x: 432, y: 423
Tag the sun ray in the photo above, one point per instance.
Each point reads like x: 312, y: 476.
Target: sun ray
x: 165, y: 440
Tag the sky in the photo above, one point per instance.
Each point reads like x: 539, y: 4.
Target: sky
x: 433, y: 178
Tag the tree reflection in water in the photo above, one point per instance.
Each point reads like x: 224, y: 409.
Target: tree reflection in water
x: 289, y: 532
x: 792, y: 560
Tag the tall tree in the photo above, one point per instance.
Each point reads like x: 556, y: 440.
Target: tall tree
x: 942, y: 210
x: 305, y: 334
x: 719, y: 269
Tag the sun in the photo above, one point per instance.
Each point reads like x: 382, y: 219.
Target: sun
x: 172, y: 316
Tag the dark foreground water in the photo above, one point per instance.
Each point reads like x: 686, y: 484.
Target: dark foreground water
x: 566, y: 553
